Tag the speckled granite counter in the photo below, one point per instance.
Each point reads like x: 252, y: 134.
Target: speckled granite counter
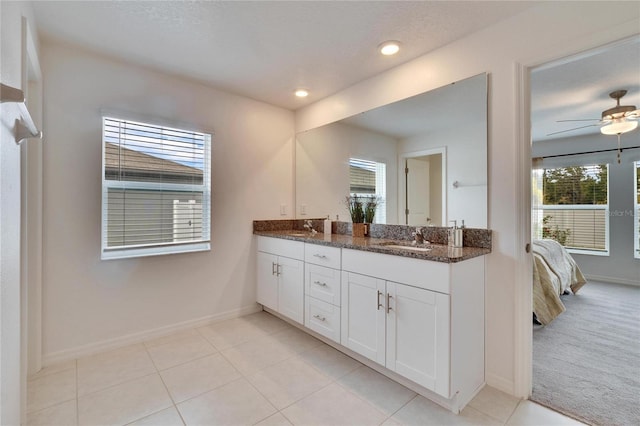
x: 437, y: 252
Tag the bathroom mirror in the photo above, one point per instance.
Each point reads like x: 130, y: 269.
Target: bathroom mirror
x: 439, y: 136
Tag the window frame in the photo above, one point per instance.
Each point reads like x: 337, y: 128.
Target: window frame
x: 164, y: 248
x: 636, y: 210
x: 574, y: 250
x: 381, y: 193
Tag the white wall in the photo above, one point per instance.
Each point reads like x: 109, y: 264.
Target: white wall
x: 545, y: 32
x: 12, y: 386
x: 89, y: 304
x: 466, y: 164
x: 322, y: 168
x: 620, y: 266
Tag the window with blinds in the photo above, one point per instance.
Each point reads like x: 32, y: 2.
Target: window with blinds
x: 369, y: 178
x: 575, y: 208
x: 636, y: 221
x: 156, y: 190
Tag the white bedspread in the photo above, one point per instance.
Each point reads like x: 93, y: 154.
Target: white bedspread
x: 554, y: 271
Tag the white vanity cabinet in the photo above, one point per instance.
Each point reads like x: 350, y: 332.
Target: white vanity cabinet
x: 280, y: 280
x: 422, y: 320
x: 322, y: 290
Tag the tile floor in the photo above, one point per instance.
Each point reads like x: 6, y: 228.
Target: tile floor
x: 251, y: 370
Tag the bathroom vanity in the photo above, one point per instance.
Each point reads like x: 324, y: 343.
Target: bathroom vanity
x: 413, y: 314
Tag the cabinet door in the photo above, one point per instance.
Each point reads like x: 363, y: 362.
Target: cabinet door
x: 267, y: 282
x: 363, y: 315
x: 291, y: 288
x: 418, y: 336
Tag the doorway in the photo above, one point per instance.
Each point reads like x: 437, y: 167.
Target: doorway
x: 422, y: 199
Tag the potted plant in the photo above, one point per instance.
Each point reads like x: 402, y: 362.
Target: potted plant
x: 356, y: 206
x: 370, y: 206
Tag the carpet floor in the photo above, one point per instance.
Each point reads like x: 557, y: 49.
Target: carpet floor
x: 586, y: 363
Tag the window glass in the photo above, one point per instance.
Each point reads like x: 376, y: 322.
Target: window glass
x: 574, y: 208
x: 156, y: 189
x: 368, y: 179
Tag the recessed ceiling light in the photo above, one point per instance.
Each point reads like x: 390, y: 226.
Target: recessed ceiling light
x: 390, y: 47
x: 301, y: 93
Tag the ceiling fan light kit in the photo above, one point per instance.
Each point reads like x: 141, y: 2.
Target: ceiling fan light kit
x: 618, y: 126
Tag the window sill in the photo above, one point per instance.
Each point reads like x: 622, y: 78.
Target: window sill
x: 127, y: 253
x: 588, y: 252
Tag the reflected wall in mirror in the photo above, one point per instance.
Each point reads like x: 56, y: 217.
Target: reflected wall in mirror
x: 439, y: 136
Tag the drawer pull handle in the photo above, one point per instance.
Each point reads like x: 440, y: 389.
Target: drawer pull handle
x: 379, y: 304
x: 320, y: 256
x: 321, y: 284
x: 278, y: 270
x: 273, y: 268
x: 316, y: 316
x: 389, y: 297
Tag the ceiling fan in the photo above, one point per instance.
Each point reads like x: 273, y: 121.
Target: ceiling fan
x: 614, y: 121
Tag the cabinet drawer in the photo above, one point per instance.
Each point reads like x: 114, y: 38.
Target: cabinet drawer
x: 281, y: 247
x: 323, y: 318
x: 322, y: 255
x: 323, y: 284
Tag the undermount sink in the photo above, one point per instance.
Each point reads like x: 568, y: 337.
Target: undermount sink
x: 299, y: 234
x: 403, y: 247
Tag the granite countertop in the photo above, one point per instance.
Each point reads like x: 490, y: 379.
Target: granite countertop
x: 438, y: 252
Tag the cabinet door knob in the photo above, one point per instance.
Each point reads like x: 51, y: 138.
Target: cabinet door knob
x: 379, y: 304
x: 389, y: 297
x: 321, y: 284
x: 319, y: 317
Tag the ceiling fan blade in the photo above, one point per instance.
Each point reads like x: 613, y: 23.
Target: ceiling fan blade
x: 584, y: 119
x: 571, y: 130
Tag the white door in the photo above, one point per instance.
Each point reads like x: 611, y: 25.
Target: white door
x: 267, y: 280
x: 291, y: 288
x: 417, y: 191
x: 363, y: 312
x: 418, y: 336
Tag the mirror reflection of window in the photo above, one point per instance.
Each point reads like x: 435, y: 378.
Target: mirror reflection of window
x: 368, y: 178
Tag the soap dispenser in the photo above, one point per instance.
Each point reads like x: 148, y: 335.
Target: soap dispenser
x: 327, y: 226
x: 451, y: 234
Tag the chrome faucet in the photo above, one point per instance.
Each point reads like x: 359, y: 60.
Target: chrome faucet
x: 309, y: 226
x: 418, y: 236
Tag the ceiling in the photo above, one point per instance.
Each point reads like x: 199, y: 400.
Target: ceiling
x: 578, y: 88
x: 264, y: 50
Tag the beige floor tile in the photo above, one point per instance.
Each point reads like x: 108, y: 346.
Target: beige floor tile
x: 288, y: 381
x: 329, y: 361
x: 167, y: 417
x: 230, y: 333
x: 420, y: 411
x: 107, y: 369
x: 236, y: 403
x: 61, y: 414
x: 54, y: 368
x: 267, y: 322
x: 333, y: 405
x: 296, y: 340
x: 51, y: 389
x: 529, y: 413
x: 251, y: 357
x: 275, y: 420
x: 169, y: 338
x: 380, y: 391
x: 179, y: 351
x: 124, y: 403
x: 495, y: 403
x: 196, y: 377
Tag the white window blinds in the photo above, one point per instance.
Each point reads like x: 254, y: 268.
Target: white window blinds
x: 575, y: 207
x: 369, y: 178
x: 156, y: 192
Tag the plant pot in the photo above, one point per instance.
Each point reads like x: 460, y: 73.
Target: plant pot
x: 359, y: 229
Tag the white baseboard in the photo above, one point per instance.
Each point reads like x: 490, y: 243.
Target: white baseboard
x: 129, y: 339
x: 590, y: 277
x: 500, y: 383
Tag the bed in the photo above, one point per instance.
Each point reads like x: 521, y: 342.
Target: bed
x: 554, y: 273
